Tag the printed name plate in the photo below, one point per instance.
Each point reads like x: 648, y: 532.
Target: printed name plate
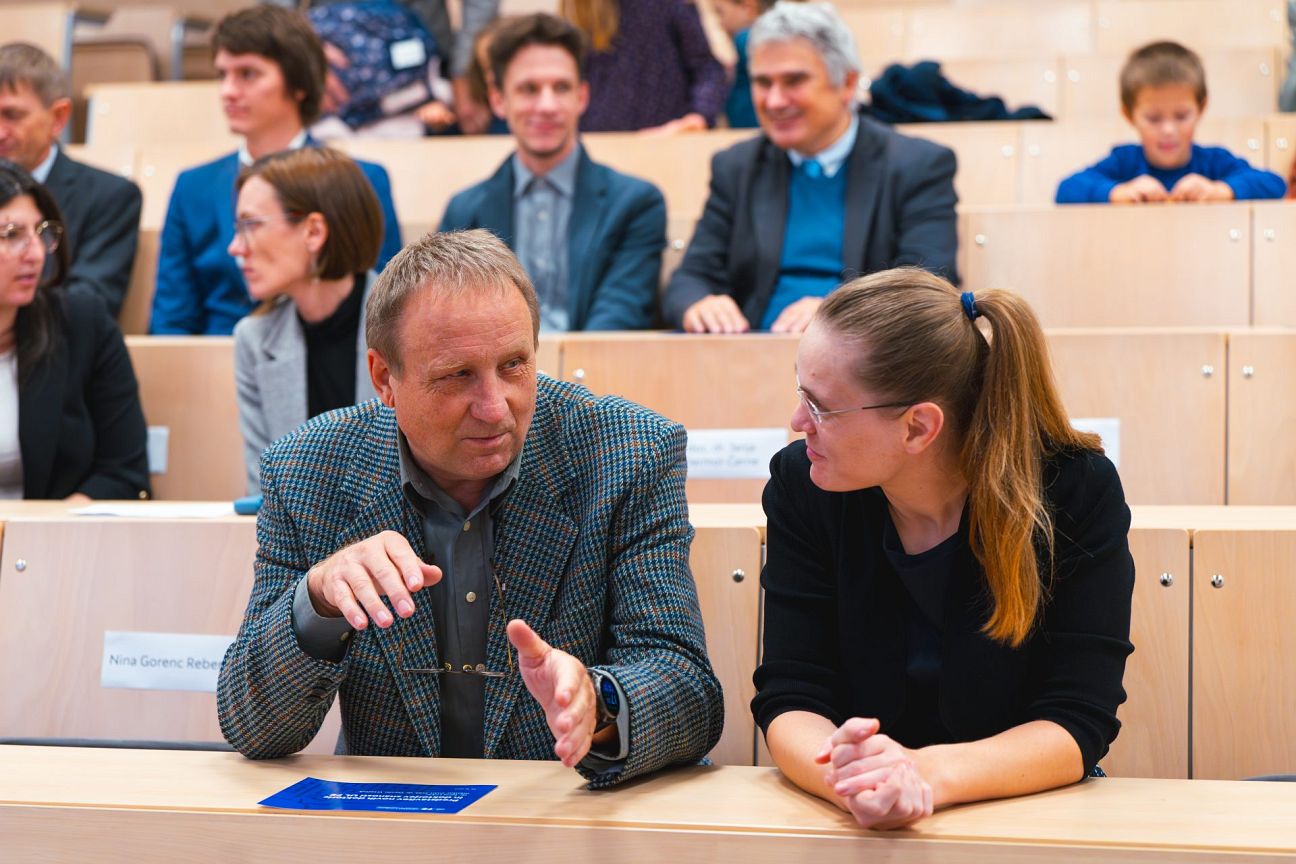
x: 316, y: 794
x: 733, y: 454
x: 162, y: 661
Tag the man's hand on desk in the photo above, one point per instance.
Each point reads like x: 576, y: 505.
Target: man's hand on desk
x: 352, y: 582
x: 562, y: 686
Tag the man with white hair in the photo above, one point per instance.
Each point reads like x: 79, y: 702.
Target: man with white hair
x: 822, y: 195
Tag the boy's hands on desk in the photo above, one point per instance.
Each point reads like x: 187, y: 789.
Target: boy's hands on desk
x: 1195, y: 187
x: 876, y: 778
x: 1141, y: 190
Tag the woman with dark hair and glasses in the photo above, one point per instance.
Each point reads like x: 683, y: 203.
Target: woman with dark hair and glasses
x: 308, y: 231
x: 70, y: 420
x: 948, y: 580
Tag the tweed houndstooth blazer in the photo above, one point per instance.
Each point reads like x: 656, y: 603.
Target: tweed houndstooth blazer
x: 591, y: 548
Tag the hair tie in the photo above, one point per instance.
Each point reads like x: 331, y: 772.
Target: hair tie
x: 969, y: 306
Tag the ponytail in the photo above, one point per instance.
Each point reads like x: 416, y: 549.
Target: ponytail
x: 600, y: 19
x: 1017, y: 419
x: 921, y: 342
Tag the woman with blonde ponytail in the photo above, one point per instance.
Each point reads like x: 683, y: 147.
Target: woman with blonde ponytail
x: 948, y: 581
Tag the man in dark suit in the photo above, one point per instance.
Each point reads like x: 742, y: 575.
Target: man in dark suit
x: 530, y: 540
x: 589, y: 237
x: 822, y: 195
x: 100, y: 210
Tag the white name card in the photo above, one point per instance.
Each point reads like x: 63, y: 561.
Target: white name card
x: 733, y: 454
x: 1106, y: 428
x: 159, y: 438
x: 162, y: 661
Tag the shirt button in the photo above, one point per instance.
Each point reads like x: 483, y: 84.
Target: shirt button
x: 542, y: 215
x: 467, y: 525
x: 471, y: 596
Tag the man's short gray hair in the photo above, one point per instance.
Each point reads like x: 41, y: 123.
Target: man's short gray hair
x: 817, y: 23
x: 22, y: 64
x: 452, y: 262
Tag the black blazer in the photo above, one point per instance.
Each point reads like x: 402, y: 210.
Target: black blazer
x: 80, y: 426
x: 101, y: 214
x: 835, y: 626
x: 899, y: 210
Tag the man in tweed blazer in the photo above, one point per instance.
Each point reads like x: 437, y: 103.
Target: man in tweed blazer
x: 587, y: 544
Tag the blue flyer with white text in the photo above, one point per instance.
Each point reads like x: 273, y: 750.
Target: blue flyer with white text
x: 315, y: 794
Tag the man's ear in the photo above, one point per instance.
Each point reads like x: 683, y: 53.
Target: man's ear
x: 496, y: 101
x: 62, y: 111
x: 380, y: 373
x: 923, y: 425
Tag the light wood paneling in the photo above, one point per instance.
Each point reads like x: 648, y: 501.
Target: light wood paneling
x: 1153, y: 740
x: 1054, y: 151
x: 187, y: 385
x: 1103, y: 266
x: 1274, y: 262
x: 137, y: 308
x: 1019, y: 83
x: 47, y: 25
x: 726, y: 563
x: 1242, y: 82
x: 1123, y: 25
x: 1244, y: 653
x: 702, y: 382
x: 160, y: 164
x: 1007, y: 30
x: 201, y: 807
x: 1261, y: 417
x: 988, y: 158
x: 1280, y: 143
x: 879, y: 33
x: 1172, y: 413
x: 166, y: 113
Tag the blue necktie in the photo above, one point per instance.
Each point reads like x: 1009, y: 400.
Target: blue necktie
x: 812, y: 169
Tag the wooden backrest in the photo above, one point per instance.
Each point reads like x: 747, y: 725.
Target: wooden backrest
x: 46, y: 24
x: 989, y: 158
x: 1241, y: 82
x: 1123, y: 25
x: 1019, y: 82
x: 1003, y: 30
x: 159, y: 113
x: 1103, y: 266
x: 187, y: 386
x: 1280, y: 144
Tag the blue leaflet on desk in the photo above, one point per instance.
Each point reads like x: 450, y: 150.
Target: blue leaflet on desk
x: 315, y: 794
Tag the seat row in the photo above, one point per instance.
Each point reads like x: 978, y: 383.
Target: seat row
x: 1191, y: 415
x: 1209, y: 686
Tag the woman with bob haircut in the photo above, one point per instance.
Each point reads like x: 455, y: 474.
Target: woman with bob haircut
x: 948, y: 581
x: 70, y: 420
x: 307, y: 234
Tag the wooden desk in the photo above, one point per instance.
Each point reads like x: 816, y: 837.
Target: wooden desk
x: 165, y: 806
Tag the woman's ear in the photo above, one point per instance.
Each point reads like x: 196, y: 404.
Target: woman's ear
x: 923, y: 425
x: 316, y: 232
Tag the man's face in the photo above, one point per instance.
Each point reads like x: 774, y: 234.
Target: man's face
x: 798, y: 107
x: 467, y: 389
x: 252, y: 93
x: 27, y: 126
x: 542, y: 98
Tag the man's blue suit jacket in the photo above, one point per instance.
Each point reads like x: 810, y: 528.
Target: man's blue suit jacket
x: 199, y: 287
x: 591, y: 549
x: 615, y: 241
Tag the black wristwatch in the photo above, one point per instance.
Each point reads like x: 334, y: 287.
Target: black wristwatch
x: 606, y: 698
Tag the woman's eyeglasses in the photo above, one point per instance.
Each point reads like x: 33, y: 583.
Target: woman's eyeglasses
x: 15, y: 239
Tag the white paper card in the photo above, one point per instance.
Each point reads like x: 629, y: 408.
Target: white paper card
x: 159, y: 509
x: 162, y: 661
x: 407, y: 54
x: 159, y: 438
x: 1108, y: 429
x: 732, y: 454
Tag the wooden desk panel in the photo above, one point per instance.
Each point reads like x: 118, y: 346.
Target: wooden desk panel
x: 1104, y: 266
x: 1261, y: 416
x: 201, y: 807
x: 1124, y: 25
x: 1153, y: 381
x: 1244, y: 653
x: 1274, y: 241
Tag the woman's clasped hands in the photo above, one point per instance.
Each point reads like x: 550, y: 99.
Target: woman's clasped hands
x: 874, y: 778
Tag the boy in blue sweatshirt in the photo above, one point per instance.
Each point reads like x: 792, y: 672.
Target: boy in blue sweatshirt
x: 1163, y: 95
